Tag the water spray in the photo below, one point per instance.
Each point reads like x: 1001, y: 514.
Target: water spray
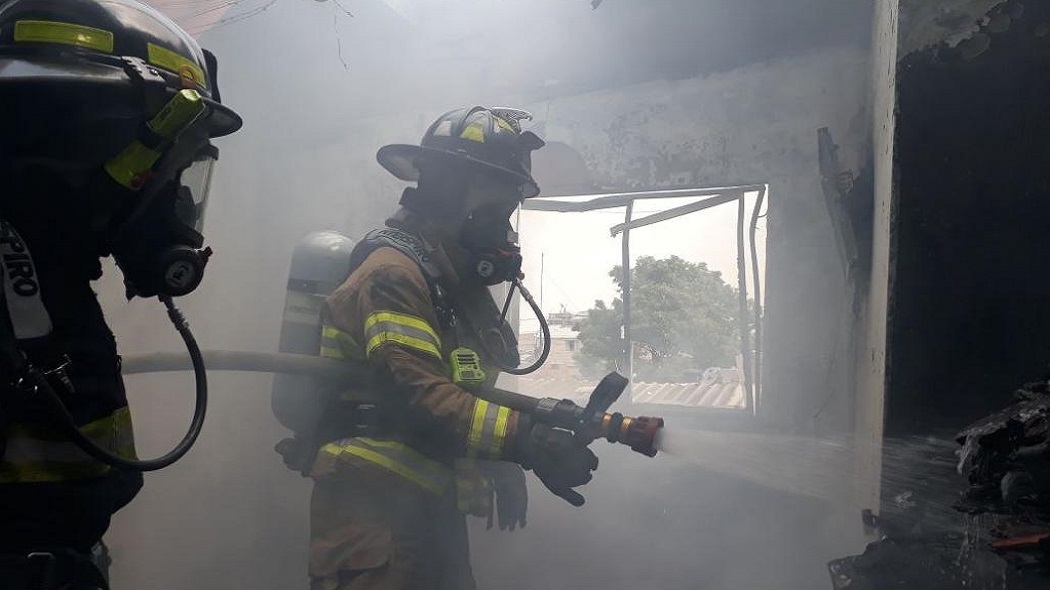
x: 824, y: 468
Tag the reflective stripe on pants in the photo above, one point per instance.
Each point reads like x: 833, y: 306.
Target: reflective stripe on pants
x: 396, y: 457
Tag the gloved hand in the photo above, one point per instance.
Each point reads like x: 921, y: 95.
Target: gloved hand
x: 297, y: 454
x: 488, y: 489
x: 474, y: 493
x: 558, y: 460
x: 512, y: 494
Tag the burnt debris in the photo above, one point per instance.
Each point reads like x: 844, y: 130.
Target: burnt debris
x: 999, y: 537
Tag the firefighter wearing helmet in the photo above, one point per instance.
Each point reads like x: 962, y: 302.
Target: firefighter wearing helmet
x: 107, y: 109
x: 401, y: 461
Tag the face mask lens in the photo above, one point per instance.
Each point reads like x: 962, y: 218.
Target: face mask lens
x: 185, y: 208
x: 493, y: 194
x: 195, y: 183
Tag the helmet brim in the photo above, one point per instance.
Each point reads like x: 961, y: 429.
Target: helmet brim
x: 24, y: 72
x: 401, y: 161
x: 15, y: 71
x: 222, y: 120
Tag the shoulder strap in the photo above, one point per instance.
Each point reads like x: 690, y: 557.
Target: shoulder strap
x: 413, y: 247
x: 498, y: 340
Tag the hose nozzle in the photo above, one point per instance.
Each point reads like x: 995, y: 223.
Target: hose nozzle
x: 637, y: 433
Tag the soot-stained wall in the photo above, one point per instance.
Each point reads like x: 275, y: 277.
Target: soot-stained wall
x: 969, y: 321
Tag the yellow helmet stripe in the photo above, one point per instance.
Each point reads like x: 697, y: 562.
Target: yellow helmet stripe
x: 474, y: 132
x: 42, y: 31
x: 175, y: 63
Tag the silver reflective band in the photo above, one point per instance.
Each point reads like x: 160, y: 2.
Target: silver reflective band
x: 28, y: 315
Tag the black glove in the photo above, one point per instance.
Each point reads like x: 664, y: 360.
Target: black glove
x: 558, y: 460
x: 512, y: 495
x: 297, y: 454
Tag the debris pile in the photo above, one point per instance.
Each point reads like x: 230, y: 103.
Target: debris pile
x: 1007, y: 460
x: 993, y: 534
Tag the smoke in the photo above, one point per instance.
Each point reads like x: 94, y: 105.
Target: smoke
x: 623, y: 85
x: 712, y: 510
x: 667, y: 522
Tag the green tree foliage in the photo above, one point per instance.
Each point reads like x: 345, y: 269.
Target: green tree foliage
x: 683, y: 317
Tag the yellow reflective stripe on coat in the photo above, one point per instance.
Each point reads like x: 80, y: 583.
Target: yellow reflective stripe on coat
x: 41, y: 455
x: 398, y: 458
x: 488, y: 430
x: 337, y: 344
x: 384, y: 327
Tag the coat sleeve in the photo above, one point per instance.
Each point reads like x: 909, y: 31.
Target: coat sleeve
x: 388, y: 310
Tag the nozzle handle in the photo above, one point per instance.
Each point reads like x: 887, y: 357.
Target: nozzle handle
x: 605, y: 394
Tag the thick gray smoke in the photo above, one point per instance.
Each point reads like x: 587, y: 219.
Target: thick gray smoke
x: 724, y: 91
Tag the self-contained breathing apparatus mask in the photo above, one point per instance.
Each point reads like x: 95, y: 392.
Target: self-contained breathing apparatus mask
x: 158, y: 242
x: 486, y: 232
x: 493, y: 249
x: 495, y: 258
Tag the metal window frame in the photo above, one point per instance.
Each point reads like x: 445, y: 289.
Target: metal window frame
x: 714, y: 196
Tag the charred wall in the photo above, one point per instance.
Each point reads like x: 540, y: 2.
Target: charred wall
x: 969, y: 321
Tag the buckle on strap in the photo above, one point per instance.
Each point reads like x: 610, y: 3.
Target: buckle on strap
x: 26, y: 382
x: 50, y: 570
x: 59, y: 373
x: 42, y: 570
x: 366, y: 416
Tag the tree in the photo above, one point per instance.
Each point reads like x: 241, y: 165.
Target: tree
x: 683, y: 318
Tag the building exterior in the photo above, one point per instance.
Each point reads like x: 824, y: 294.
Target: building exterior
x: 565, y: 342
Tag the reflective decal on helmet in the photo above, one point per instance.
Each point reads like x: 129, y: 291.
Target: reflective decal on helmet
x: 186, y: 69
x: 42, y: 31
x: 474, y: 132
x: 133, y: 166
x: 513, y: 117
x: 443, y: 129
x: 503, y: 125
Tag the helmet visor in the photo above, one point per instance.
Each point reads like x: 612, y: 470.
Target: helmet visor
x: 195, y: 184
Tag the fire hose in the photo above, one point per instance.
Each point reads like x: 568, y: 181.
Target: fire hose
x: 588, y: 423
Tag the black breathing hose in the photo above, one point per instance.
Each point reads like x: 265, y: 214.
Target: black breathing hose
x: 516, y: 283
x: 35, y: 379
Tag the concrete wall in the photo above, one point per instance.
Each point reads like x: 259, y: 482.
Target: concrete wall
x: 874, y: 302
x: 968, y: 324
x: 951, y: 324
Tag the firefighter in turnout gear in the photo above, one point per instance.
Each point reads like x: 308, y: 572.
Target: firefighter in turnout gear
x: 107, y: 108
x: 386, y: 511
